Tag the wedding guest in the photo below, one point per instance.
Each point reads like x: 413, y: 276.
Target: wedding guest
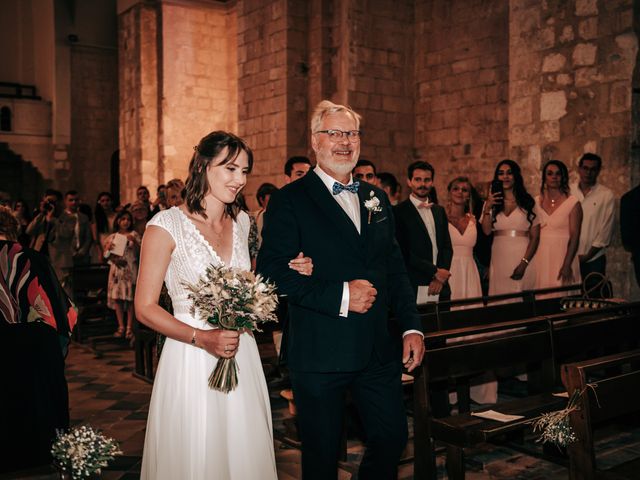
x: 338, y: 338
x: 423, y: 235
x: 175, y: 192
x: 388, y: 182
x: 365, y: 171
x: 144, y: 197
x: 105, y: 215
x: 598, y: 211
x: 34, y: 336
x: 630, y: 226
x: 160, y: 203
x: 40, y: 226
x: 295, y: 168
x: 263, y: 196
x: 123, y: 272
x: 140, y: 214
x: 22, y: 213
x: 509, y: 214
x: 560, y: 217
x: 465, y: 278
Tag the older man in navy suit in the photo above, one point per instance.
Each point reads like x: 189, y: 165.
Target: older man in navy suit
x: 338, y: 337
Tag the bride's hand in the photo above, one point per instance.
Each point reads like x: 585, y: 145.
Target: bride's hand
x: 218, y: 342
x: 301, y: 264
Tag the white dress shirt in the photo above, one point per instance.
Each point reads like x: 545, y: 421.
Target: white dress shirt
x: 350, y: 203
x: 598, y: 211
x: 427, y: 218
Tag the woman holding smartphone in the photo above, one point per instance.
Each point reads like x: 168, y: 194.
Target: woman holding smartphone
x: 509, y: 214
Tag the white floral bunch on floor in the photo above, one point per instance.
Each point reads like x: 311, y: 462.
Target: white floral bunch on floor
x: 83, y: 451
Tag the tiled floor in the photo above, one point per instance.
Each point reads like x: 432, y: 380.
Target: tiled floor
x: 104, y: 393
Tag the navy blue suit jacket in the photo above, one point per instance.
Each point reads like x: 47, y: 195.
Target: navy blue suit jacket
x: 303, y: 217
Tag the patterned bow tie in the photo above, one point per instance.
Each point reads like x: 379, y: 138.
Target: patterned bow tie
x: 338, y: 187
x: 425, y: 205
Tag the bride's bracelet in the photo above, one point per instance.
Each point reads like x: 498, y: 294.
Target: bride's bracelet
x: 193, y: 337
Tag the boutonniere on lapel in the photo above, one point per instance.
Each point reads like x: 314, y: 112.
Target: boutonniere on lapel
x: 372, y: 205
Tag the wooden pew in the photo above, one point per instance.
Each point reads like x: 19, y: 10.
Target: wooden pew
x: 567, y: 335
x: 614, y: 396
x: 90, y: 297
x: 529, y: 347
x: 482, y: 310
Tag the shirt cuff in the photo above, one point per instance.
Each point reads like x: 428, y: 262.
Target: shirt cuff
x: 413, y: 331
x: 344, y: 303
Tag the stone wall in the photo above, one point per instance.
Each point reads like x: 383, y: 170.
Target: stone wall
x: 461, y: 74
x: 570, y: 92
x: 262, y: 87
x: 94, y: 119
x: 199, y: 94
x: 378, y: 79
x: 138, y: 102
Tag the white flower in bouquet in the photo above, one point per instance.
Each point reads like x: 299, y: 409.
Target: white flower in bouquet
x: 232, y: 299
x: 83, y: 451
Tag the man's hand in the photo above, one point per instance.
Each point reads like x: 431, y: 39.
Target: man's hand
x: 412, y: 351
x: 361, y: 295
x: 442, y: 275
x: 435, y: 287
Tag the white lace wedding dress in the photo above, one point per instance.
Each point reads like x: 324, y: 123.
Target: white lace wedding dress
x: 193, y: 432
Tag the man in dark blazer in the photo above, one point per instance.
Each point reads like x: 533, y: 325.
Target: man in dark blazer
x: 630, y: 226
x: 423, y: 234
x: 338, y: 337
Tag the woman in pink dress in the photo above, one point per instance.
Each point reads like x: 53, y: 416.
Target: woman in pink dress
x: 465, y: 279
x: 509, y: 215
x: 560, y: 216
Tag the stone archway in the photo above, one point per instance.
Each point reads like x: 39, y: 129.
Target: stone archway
x: 21, y: 179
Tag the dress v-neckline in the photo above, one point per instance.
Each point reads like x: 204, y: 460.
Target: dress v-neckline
x: 465, y: 228
x: 557, y: 208
x: 203, y: 239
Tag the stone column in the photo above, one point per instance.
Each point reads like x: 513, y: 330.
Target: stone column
x: 138, y: 83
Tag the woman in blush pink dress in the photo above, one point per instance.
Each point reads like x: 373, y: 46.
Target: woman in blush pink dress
x: 465, y: 278
x: 509, y: 215
x: 560, y: 217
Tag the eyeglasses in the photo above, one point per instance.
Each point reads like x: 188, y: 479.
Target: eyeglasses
x: 337, y: 135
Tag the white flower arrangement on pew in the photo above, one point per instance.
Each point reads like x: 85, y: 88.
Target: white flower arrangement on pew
x: 555, y: 427
x: 83, y: 451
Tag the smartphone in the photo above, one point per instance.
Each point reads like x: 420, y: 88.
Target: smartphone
x: 497, y: 187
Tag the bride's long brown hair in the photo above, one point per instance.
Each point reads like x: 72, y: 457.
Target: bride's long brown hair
x: 197, y: 185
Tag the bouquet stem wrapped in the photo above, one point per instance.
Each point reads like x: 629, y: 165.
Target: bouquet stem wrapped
x: 232, y: 299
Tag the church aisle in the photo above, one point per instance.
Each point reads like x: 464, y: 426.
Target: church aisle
x: 103, y: 393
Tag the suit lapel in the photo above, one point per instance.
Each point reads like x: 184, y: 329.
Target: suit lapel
x: 417, y: 219
x: 327, y: 204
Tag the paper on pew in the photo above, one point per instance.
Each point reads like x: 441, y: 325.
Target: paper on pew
x: 497, y: 416
x: 561, y: 394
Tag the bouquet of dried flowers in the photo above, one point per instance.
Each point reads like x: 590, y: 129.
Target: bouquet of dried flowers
x: 232, y: 299
x: 554, y: 427
x: 83, y: 451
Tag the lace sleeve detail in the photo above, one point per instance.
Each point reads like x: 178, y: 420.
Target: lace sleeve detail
x: 166, y: 219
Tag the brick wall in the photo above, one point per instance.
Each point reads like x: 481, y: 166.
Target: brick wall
x: 570, y: 92
x: 138, y: 99
x: 94, y: 119
x: 461, y: 75
x: 198, y: 94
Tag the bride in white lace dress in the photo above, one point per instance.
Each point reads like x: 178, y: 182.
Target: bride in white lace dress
x: 194, y: 432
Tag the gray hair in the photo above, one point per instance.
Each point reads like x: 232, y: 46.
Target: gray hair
x: 327, y: 107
